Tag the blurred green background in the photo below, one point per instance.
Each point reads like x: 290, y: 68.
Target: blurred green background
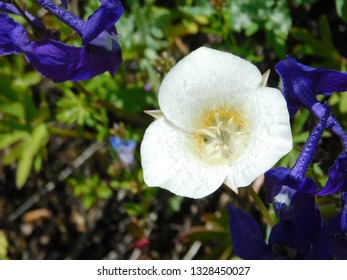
x: 65, y: 193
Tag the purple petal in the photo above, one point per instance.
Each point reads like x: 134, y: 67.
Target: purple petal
x: 301, y: 237
x: 64, y: 3
x: 338, y: 237
x: 13, y: 38
x: 344, y: 211
x: 308, y: 221
x: 277, y: 177
x: 337, y: 176
x: 247, y: 239
x: 102, y: 19
x: 9, y: 8
x: 296, y: 85
x: 301, y: 83
x: 290, y: 195
x: 284, y: 241
x: 62, y: 62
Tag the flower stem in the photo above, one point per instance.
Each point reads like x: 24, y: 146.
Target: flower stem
x: 335, y: 126
x: 64, y: 15
x: 300, y: 168
x: 264, y: 211
x: 318, y: 111
x: 36, y: 30
x: 70, y: 133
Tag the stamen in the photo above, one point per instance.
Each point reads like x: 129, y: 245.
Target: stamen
x: 226, y: 137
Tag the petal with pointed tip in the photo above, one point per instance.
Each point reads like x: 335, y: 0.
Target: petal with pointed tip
x: 246, y: 236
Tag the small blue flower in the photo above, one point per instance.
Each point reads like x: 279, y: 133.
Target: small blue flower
x: 125, y: 150
x: 100, y: 51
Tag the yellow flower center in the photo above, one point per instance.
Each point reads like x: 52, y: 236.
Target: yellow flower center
x: 224, y: 136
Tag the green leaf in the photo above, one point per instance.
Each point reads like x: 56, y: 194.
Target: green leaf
x: 14, y: 153
x: 103, y: 191
x: 37, y: 140
x: 15, y: 109
x: 201, y: 233
x: 3, y: 246
x: 341, y: 8
x: 27, y: 79
x: 174, y: 203
x: 343, y: 103
x: 300, y: 138
x: 88, y: 201
x: 133, y: 209
x: 8, y: 139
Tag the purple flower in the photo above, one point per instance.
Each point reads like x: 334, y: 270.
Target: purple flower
x: 299, y: 234
x: 287, y: 239
x: 290, y: 191
x: 301, y: 84
x: 337, y: 177
x: 60, y: 62
x: 125, y: 150
x: 337, y: 181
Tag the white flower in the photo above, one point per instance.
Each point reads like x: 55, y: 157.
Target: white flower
x: 218, y: 124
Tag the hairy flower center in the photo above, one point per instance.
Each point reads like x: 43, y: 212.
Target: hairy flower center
x: 224, y: 137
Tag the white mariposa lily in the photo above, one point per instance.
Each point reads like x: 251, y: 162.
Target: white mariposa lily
x: 218, y: 123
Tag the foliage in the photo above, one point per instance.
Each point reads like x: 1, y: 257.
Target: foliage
x: 3, y: 246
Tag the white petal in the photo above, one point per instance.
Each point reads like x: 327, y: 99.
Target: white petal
x: 204, y: 79
x: 271, y: 138
x: 168, y: 161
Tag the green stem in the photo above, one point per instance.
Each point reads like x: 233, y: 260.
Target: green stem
x: 70, y: 133
x: 261, y: 206
x: 36, y: 30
